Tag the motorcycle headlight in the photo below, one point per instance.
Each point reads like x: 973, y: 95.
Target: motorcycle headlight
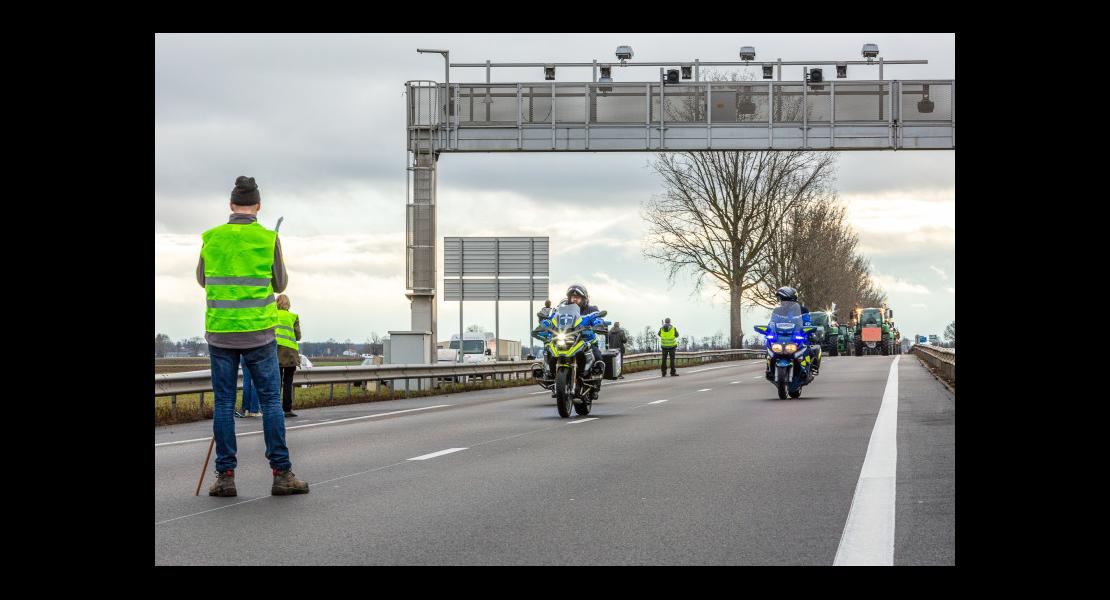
x: 776, y: 348
x: 791, y: 348
x: 561, y: 340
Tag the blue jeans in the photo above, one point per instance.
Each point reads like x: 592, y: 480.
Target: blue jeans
x: 261, y: 366
x: 250, y: 395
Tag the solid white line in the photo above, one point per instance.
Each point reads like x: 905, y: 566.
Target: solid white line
x: 868, y: 537
x: 705, y: 389
x: 396, y: 412
x: 435, y: 454
x: 582, y: 420
x: 732, y: 382
x: 657, y: 402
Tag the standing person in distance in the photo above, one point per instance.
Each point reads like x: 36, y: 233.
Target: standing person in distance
x: 287, y: 333
x: 668, y: 342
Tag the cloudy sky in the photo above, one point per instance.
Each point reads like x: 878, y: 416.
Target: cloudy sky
x: 318, y: 120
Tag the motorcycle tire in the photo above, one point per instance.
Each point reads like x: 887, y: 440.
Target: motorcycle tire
x: 563, y: 400
x: 796, y: 394
x: 782, y: 382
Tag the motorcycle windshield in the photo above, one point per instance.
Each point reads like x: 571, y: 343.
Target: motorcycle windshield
x: 786, y: 319
x: 566, y: 316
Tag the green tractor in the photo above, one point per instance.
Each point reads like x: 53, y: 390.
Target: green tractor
x: 828, y: 331
x: 844, y: 345
x: 874, y: 331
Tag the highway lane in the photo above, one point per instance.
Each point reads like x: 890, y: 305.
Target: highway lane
x: 729, y: 475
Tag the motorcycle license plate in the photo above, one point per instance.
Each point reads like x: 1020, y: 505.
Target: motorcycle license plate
x: 782, y: 362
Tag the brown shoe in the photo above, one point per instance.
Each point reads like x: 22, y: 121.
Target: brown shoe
x: 286, y: 483
x: 225, y: 484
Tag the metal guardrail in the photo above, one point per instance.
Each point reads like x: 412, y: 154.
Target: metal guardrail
x: 941, y: 359
x: 169, y: 384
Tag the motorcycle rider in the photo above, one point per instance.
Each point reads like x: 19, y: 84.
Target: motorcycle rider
x: 576, y: 294
x: 789, y: 294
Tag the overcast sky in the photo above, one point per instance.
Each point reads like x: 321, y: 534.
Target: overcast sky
x: 318, y: 120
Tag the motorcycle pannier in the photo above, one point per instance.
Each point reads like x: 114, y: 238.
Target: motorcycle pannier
x: 613, y: 363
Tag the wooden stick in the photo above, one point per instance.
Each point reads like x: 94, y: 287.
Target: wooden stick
x: 205, y: 467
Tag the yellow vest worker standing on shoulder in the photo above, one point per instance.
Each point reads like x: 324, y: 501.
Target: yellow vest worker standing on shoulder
x: 287, y: 334
x: 240, y: 268
x: 668, y: 340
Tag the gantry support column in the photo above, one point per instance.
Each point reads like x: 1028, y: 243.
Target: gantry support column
x: 421, y: 243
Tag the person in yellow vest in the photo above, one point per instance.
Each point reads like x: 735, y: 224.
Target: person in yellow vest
x: 240, y: 267
x: 668, y: 341
x: 287, y: 333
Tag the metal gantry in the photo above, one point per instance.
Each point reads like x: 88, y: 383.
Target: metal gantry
x: 652, y: 116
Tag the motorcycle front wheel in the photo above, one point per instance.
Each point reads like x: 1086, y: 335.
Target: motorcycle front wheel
x: 782, y: 381
x: 563, y: 400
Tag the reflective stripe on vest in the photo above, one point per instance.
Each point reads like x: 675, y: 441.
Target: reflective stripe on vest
x: 667, y: 338
x: 238, y: 267
x: 284, y: 332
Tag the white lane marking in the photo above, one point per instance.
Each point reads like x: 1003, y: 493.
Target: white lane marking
x: 435, y: 454
x: 705, y: 389
x: 713, y: 368
x: 868, y: 537
x: 329, y: 422
x: 760, y: 377
x: 732, y: 382
x: 657, y: 402
x: 582, y: 420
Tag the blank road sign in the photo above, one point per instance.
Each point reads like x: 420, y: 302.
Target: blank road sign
x: 493, y: 289
x: 490, y: 257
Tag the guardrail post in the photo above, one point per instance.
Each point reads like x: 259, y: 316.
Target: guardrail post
x: 348, y: 391
x: 202, y: 404
x: 331, y: 392
x: 173, y: 405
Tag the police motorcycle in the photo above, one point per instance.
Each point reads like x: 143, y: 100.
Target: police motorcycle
x: 577, y: 375
x: 790, y: 358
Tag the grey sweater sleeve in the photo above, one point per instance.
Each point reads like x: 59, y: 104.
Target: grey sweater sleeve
x: 200, y: 271
x: 297, y: 329
x: 281, y: 278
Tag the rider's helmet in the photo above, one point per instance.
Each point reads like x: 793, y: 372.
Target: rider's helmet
x: 577, y: 289
x: 787, y: 294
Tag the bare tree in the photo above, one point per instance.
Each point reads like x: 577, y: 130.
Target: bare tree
x: 814, y: 251
x: 720, y: 210
x: 950, y: 333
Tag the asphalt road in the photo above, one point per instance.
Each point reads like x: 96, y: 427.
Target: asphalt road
x: 706, y: 468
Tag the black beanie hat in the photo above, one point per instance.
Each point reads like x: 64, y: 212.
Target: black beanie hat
x: 245, y: 192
